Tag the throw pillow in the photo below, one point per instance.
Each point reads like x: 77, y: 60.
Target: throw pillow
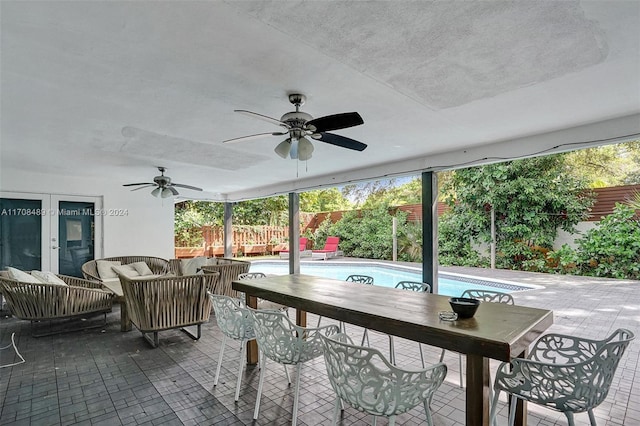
x: 127, y: 270
x: 191, y: 266
x: 142, y: 268
x: 104, y: 268
x: 48, y: 277
x: 18, y: 275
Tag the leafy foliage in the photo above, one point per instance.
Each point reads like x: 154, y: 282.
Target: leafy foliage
x: 612, y: 248
x: 365, y: 233
x: 532, y: 198
x: 455, y: 236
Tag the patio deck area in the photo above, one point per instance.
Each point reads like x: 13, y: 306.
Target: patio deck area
x: 104, y: 376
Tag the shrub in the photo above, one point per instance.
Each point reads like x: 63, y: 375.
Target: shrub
x: 612, y: 248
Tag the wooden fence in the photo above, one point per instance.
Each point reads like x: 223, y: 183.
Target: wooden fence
x: 272, y: 239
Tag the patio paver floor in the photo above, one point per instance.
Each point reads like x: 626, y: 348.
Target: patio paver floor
x: 105, y: 377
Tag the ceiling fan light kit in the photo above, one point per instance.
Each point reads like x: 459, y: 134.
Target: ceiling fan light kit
x: 300, y: 126
x: 164, y: 188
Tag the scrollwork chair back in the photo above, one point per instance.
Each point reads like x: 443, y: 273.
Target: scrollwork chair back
x: 284, y: 342
x: 366, y: 380
x: 564, y: 373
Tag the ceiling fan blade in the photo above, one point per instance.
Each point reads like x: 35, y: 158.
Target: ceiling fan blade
x: 256, y: 136
x: 143, y: 187
x: 341, y: 141
x: 134, y: 184
x: 172, y: 189
x: 186, y: 186
x: 262, y: 117
x: 334, y: 122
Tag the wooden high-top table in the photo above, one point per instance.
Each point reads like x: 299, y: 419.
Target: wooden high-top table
x: 497, y: 331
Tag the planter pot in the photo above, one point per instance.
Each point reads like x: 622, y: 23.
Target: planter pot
x: 219, y: 250
x: 188, y: 252
x: 248, y: 249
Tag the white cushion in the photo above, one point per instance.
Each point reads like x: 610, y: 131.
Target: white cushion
x: 127, y: 270
x: 48, y: 277
x: 192, y: 266
x: 142, y: 268
x: 104, y: 268
x: 18, y: 275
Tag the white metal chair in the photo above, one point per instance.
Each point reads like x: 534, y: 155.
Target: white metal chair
x: 282, y: 341
x: 235, y: 323
x: 263, y: 304
x: 485, y: 296
x: 363, y: 378
x: 412, y: 286
x: 564, y: 373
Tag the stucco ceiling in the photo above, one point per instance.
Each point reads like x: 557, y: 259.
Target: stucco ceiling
x: 117, y: 88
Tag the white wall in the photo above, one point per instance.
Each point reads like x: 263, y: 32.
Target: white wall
x: 146, y: 228
x: 564, y: 237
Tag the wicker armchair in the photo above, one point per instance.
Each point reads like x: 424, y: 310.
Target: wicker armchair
x: 229, y: 270
x: 45, y: 302
x: 157, y: 265
x: 163, y: 303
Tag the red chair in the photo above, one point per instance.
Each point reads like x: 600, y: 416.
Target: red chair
x: 330, y: 249
x: 284, y: 254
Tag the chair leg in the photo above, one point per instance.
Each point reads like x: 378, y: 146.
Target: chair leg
x: 494, y: 408
x: 286, y: 373
x: 427, y: 412
x: 421, y: 354
x: 243, y: 354
x: 570, y: 420
x: 461, y: 375
x: 336, y: 411
x: 512, y: 409
x: 296, y: 396
x: 442, y: 355
x: 592, y: 417
x: 224, y: 342
x: 375, y: 420
x: 392, y: 420
x: 260, y: 383
x: 365, y: 335
x: 392, y: 351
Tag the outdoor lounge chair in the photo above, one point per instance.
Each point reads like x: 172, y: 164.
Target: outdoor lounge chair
x: 284, y: 254
x: 37, y: 302
x: 164, y: 303
x: 330, y: 249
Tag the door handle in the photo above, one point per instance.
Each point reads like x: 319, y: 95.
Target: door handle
x: 55, y: 247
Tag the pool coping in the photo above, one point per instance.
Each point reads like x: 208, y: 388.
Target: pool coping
x: 515, y: 287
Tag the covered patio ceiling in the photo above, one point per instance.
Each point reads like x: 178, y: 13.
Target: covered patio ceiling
x: 95, y: 89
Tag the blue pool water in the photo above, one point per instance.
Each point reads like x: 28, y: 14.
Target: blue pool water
x: 386, y: 275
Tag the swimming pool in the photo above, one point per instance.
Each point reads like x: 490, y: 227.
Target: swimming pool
x: 388, y: 275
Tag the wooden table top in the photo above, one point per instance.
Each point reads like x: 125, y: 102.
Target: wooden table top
x: 497, y: 330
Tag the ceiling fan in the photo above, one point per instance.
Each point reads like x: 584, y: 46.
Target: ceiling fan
x: 163, y: 186
x: 299, y: 126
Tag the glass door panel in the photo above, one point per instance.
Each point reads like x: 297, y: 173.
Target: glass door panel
x: 20, y: 233
x: 76, y: 236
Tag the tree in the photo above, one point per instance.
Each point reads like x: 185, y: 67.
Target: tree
x: 324, y: 200
x: 608, y: 165
x: 532, y: 198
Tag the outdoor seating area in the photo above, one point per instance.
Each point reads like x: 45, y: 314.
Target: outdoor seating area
x: 106, y: 376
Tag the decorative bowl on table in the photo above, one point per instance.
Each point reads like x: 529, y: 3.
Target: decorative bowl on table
x: 463, y: 306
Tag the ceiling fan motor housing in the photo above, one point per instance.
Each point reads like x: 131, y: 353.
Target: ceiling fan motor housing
x: 162, y: 181
x: 296, y: 119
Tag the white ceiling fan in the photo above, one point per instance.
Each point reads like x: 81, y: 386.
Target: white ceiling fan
x: 163, y: 186
x: 299, y: 126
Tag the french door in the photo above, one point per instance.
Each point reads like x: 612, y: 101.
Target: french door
x: 49, y: 232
